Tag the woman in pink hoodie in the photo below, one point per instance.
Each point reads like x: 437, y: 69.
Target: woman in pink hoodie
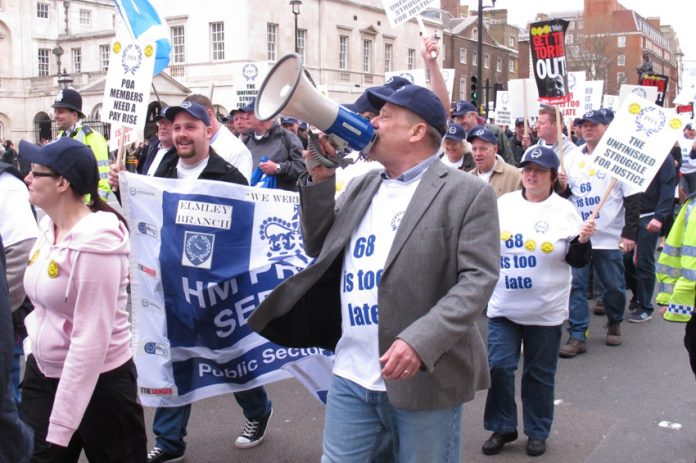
x: 79, y: 390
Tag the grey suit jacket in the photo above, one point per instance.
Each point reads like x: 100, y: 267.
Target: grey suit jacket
x: 438, y: 277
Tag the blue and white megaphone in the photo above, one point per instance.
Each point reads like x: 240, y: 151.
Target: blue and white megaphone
x: 287, y: 89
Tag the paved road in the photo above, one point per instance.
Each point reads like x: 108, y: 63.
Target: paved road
x: 610, y: 404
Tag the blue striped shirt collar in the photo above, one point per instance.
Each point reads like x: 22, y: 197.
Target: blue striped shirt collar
x: 413, y: 173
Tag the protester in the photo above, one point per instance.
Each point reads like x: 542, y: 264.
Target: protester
x: 159, y: 149
x: 456, y: 150
x: 490, y: 167
x: 465, y: 114
x: 430, y: 351
x: 519, y: 142
x: 68, y: 113
x: 530, y: 302
x: 617, y: 227
x: 547, y: 131
x: 289, y: 123
x: 79, y: 390
x: 195, y: 159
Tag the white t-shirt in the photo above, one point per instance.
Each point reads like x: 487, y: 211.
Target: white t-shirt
x: 157, y: 161
x: 688, y: 165
x: 486, y: 176
x: 357, y: 352
x: 456, y: 164
x: 534, y: 283
x: 17, y: 222
x: 185, y: 172
x: 348, y: 173
x: 588, y: 183
x: 232, y: 150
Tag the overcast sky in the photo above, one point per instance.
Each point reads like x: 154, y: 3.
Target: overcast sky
x: 677, y: 13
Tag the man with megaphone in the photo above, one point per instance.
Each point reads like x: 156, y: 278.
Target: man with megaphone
x: 404, y: 268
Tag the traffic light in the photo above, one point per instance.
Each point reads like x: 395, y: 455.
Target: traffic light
x: 474, y: 90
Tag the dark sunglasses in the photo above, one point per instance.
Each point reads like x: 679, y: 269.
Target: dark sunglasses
x: 43, y: 174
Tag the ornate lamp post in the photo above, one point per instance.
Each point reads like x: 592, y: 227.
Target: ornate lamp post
x: 479, y: 59
x: 295, y: 4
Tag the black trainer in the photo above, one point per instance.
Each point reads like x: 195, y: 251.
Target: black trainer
x: 497, y: 441
x: 158, y: 455
x: 253, y: 433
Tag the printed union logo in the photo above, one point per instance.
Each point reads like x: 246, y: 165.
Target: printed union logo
x: 185, y: 104
x: 536, y: 152
x: 479, y: 132
x: 541, y: 226
x: 650, y: 120
x: 147, y: 229
x: 198, y: 250
x: 155, y: 348
x: 452, y: 129
x: 131, y: 59
x: 250, y: 71
x: 640, y: 92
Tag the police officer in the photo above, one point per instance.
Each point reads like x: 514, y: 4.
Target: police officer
x: 68, y: 112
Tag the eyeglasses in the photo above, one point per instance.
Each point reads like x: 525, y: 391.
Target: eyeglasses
x: 43, y: 174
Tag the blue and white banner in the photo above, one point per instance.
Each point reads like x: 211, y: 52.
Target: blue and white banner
x: 204, y: 254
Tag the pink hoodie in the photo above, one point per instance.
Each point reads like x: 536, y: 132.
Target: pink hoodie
x: 79, y: 327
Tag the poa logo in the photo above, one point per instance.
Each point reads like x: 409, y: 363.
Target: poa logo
x: 284, y: 239
x: 535, y: 153
x: 198, y: 250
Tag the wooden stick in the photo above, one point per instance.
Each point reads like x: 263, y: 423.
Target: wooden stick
x: 120, y: 164
x: 424, y: 33
x: 524, y: 106
x: 603, y: 200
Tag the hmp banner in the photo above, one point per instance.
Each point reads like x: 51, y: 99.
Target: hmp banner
x: 203, y: 255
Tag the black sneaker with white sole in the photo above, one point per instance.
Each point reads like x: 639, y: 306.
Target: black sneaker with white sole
x: 640, y: 317
x: 158, y: 455
x: 253, y: 433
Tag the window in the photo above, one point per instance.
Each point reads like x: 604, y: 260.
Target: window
x: 462, y: 55
x: 343, y: 52
x: 620, y: 77
x: 85, y: 17
x: 104, y: 51
x: 511, y: 65
x: 462, y: 88
x: 486, y: 61
x: 569, y: 39
x: 499, y: 64
x: 511, y: 41
x: 272, y: 41
x: 76, y: 59
x: 178, y: 44
x: 411, y: 58
x: 474, y: 33
x: 474, y: 58
x: 388, y: 57
x: 621, y: 60
x: 44, y: 61
x: 301, y: 42
x: 367, y: 55
x: 621, y: 41
x: 42, y: 10
x: 217, y: 41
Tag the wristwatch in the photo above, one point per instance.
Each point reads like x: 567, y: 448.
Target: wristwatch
x: 277, y: 172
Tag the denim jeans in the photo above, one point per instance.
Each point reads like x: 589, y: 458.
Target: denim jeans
x: 170, y: 423
x: 541, y: 346
x: 640, y: 270
x: 610, y: 269
x: 357, y: 419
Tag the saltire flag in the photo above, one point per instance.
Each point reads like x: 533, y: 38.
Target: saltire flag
x: 204, y: 254
x: 144, y: 23
x: 547, y: 39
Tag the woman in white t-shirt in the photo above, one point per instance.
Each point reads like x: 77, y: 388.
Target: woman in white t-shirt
x: 542, y: 236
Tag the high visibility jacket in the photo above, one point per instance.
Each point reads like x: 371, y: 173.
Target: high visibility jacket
x: 676, y: 266
x: 100, y: 148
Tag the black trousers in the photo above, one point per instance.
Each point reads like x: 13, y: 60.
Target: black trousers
x: 112, y: 428
x: 690, y: 342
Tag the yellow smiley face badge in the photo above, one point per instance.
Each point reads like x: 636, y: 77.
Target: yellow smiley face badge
x: 53, y: 269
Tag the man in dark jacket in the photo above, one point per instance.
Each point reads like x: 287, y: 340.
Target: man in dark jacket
x: 195, y: 159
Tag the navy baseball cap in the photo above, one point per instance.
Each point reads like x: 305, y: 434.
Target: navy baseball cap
x: 455, y: 132
x: 519, y: 121
x: 597, y: 117
x: 484, y: 133
x: 302, y: 125
x: 688, y: 127
x: 608, y: 113
x: 194, y: 109
x: 249, y: 108
x: 396, y: 82
x: 362, y: 104
x: 70, y: 158
x: 288, y: 120
x: 541, y: 156
x: 417, y: 99
x: 462, y: 107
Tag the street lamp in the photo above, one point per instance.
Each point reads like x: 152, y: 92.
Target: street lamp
x: 64, y: 79
x: 295, y: 4
x: 479, y: 58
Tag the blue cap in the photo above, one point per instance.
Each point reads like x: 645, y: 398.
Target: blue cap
x: 519, y: 121
x: 362, y: 104
x: 608, y: 113
x: 194, y: 109
x: 596, y: 117
x: 70, y: 158
x: 288, y: 120
x: 249, y: 108
x: 541, y: 156
x: 484, y: 133
x: 455, y: 132
x: 396, y: 82
x: 417, y: 99
x: 462, y: 107
x: 302, y: 125
x: 687, y: 126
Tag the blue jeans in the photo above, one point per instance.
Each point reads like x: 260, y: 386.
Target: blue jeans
x: 17, y: 353
x: 610, y: 269
x: 541, y: 346
x: 170, y: 423
x: 640, y: 276
x: 357, y: 419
